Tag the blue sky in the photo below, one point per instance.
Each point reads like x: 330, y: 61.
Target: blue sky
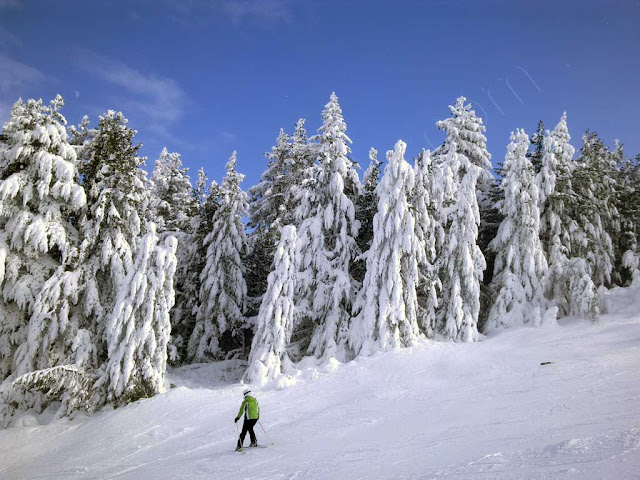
x: 207, y: 77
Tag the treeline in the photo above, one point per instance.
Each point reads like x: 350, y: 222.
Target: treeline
x: 108, y: 275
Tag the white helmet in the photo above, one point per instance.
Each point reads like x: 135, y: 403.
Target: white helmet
x: 246, y: 391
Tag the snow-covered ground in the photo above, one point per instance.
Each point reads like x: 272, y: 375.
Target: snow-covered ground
x: 487, y: 410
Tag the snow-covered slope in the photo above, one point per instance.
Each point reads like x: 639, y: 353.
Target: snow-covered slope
x: 487, y: 410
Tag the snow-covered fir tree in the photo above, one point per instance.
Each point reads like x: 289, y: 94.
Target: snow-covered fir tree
x: 520, y: 265
x: 327, y: 233
x: 386, y: 309
x: 628, y: 206
x: 172, y: 201
x: 594, y: 181
x: 569, y: 283
x: 39, y: 200
x: 467, y: 131
x: 269, y: 358
x: 192, y: 259
x: 366, y: 208
x: 536, y: 151
x: 427, y: 232
x: 460, y: 263
x: 138, y: 327
x: 223, y: 289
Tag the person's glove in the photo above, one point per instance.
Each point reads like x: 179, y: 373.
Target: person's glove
x: 236, y: 419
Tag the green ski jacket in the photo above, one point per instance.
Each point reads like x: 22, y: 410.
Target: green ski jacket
x: 250, y: 407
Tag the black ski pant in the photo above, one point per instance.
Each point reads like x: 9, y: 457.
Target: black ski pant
x: 248, y: 427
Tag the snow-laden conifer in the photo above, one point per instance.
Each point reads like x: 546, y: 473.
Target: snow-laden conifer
x: 386, y: 309
x: 269, y: 358
x: 520, y: 265
x: 138, y: 327
x: 172, y: 201
x: 223, y: 288
x: 467, y: 131
x: 39, y: 198
x: 366, y: 208
x: 426, y: 233
x: 595, y: 182
x: 537, y: 148
x: 327, y: 233
x: 192, y: 259
x: 628, y: 205
x: 568, y: 282
x: 461, y: 262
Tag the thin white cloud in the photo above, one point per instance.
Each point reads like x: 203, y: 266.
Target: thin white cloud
x: 188, y: 13
x: 272, y: 11
x: 8, y: 40
x: 14, y: 77
x: 10, y: 3
x: 159, y: 99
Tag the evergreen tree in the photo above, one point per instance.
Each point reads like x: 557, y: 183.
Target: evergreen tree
x: 39, y: 197
x: 595, y: 212
x: 272, y: 203
x: 461, y: 262
x: 426, y: 232
x: 269, y: 358
x: 138, y: 328
x: 191, y: 262
x: 327, y: 234
x: 537, y: 148
x: 466, y: 130
x: 173, y: 204
x: 365, y: 211
x: 223, y: 289
x: 628, y: 205
x: 520, y: 264
x: 569, y: 282
x: 386, y: 308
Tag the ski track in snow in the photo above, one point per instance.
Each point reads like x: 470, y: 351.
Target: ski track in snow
x: 457, y: 411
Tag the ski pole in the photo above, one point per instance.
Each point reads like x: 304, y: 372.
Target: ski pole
x: 237, y: 430
x: 265, y: 432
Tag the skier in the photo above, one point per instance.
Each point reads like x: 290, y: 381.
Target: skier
x: 251, y: 411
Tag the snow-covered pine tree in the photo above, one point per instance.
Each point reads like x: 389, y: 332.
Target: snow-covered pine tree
x: 39, y: 198
x: 520, y: 264
x: 386, y: 308
x: 466, y: 130
x: 172, y: 202
x: 138, y: 328
x: 269, y: 204
x: 272, y: 203
x: 628, y: 205
x: 536, y: 152
x: 223, y: 289
x: 461, y: 262
x: 116, y: 219
x: 569, y: 283
x: 269, y: 358
x: 426, y: 232
x: 366, y: 208
x: 192, y: 259
x: 594, y: 181
x: 326, y: 239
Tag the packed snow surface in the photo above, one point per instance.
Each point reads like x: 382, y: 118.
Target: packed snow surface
x: 485, y: 410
